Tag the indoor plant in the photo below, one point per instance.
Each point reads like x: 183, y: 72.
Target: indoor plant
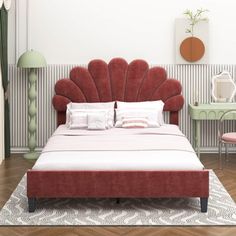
x: 192, y: 48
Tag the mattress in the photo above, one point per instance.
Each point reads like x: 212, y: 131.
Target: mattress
x: 164, y: 148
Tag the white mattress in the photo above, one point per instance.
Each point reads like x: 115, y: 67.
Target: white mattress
x: 146, y: 149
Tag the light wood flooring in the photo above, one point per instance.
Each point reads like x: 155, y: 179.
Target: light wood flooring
x: 13, y: 169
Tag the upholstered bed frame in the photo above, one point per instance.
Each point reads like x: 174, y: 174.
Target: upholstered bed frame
x: 117, y: 80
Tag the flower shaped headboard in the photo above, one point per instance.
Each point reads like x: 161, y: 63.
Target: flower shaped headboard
x: 118, y: 81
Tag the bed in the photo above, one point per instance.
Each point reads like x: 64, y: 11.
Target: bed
x: 118, y: 163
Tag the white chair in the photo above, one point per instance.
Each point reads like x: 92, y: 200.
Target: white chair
x: 225, y: 138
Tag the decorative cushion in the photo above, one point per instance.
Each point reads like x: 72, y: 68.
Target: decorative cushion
x: 229, y: 137
x: 97, y: 120
x: 150, y: 115
x: 135, y: 122
x: 78, y: 120
x: 92, y: 107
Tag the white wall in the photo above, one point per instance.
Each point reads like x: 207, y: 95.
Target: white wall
x: 75, y: 31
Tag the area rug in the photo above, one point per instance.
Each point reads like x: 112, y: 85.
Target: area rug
x: 166, y: 212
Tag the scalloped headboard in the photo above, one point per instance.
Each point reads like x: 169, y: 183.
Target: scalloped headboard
x: 118, y: 81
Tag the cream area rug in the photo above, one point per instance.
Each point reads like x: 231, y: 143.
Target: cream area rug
x: 221, y: 210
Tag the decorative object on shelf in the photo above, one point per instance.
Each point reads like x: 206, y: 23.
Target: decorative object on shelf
x: 223, y: 87
x: 32, y: 60
x: 193, y: 48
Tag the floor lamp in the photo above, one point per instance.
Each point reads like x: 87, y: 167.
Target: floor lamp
x: 32, y: 60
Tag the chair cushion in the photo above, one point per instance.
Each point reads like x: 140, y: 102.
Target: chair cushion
x: 229, y: 137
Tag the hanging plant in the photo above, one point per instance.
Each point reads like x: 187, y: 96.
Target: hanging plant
x: 192, y: 48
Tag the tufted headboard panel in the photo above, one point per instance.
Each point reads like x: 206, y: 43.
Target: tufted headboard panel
x: 118, y: 81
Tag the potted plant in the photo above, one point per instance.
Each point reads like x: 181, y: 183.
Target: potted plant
x: 192, y: 48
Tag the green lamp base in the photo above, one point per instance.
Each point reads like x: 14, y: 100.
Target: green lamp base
x: 31, y: 155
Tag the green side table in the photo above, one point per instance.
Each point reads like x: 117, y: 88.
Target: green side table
x: 210, y: 111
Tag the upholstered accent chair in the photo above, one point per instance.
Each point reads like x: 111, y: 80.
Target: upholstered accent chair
x: 225, y: 138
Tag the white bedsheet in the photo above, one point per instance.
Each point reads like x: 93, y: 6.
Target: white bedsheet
x: 164, y: 148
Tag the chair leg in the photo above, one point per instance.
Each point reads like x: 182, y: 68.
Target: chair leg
x: 226, y: 152
x: 220, y: 156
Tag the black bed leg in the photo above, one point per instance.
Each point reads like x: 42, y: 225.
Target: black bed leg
x: 118, y: 201
x: 204, y: 203
x: 32, y: 204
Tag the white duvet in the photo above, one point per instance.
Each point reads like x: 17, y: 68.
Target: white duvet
x: 164, y: 148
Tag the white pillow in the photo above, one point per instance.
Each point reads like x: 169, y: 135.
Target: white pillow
x: 134, y: 122
x: 154, y: 105
x: 78, y: 115
x: 140, y: 105
x: 91, y: 105
x: 150, y: 115
x: 78, y: 120
x: 97, y: 120
x: 108, y: 106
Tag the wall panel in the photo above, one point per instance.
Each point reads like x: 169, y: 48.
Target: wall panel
x: 194, y: 78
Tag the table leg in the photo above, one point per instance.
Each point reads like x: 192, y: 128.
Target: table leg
x: 198, y: 137
x: 194, y: 134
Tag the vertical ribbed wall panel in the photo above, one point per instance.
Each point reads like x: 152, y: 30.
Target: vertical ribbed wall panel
x: 195, y: 80
x: 18, y: 108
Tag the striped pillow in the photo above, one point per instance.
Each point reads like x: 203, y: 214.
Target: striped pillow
x: 148, y: 114
x: 134, y: 122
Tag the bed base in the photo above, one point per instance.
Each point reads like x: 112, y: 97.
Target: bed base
x: 32, y: 203
x: 117, y: 184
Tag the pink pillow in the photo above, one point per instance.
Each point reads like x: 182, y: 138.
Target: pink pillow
x: 133, y: 122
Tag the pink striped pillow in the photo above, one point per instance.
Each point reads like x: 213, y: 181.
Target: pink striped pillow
x: 134, y: 122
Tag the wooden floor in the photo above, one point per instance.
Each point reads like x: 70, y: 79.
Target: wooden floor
x: 12, y: 170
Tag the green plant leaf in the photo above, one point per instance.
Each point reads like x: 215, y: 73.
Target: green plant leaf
x: 195, y: 18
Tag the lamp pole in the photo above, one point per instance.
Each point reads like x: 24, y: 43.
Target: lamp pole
x: 32, y: 110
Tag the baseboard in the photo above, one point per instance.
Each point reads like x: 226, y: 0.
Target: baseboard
x: 16, y: 150
x: 215, y: 150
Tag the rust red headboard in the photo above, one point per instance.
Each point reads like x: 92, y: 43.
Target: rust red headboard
x: 118, y: 81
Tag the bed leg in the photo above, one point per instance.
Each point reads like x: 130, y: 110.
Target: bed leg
x: 204, y: 203
x: 32, y: 204
x: 118, y: 201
